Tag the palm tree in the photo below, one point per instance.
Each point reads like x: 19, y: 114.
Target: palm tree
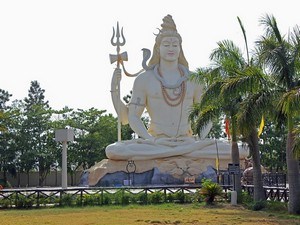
x: 280, y: 56
x: 296, y: 147
x: 234, y: 80
x: 226, y: 59
x: 251, y: 83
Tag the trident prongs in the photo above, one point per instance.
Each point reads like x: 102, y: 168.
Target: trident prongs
x: 116, y: 34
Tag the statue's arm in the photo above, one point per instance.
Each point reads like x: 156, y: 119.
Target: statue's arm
x: 123, y: 112
x: 197, y: 97
x: 136, y: 108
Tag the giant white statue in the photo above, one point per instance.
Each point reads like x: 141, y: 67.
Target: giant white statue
x: 165, y: 91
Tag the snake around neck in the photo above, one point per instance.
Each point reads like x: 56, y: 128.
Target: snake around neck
x: 178, y: 83
x: 178, y: 90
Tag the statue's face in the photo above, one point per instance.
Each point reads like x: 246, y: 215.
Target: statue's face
x: 169, y: 49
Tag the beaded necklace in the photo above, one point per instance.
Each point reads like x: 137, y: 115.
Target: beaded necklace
x: 178, y: 90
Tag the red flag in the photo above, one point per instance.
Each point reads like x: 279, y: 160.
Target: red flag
x: 227, y: 130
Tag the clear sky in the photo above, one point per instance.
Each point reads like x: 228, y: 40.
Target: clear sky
x: 65, y: 44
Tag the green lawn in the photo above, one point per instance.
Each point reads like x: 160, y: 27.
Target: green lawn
x: 177, y: 214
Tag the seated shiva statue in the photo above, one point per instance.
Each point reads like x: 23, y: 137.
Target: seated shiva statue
x: 166, y: 92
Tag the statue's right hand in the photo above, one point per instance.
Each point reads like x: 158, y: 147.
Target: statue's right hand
x: 150, y: 141
x: 117, y: 76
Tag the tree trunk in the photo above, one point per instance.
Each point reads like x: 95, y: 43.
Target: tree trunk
x: 41, y: 177
x: 72, y: 178
x: 259, y: 193
x: 28, y: 180
x: 19, y: 179
x: 293, y: 176
x: 235, y: 157
x: 43, y: 171
x: 5, y: 176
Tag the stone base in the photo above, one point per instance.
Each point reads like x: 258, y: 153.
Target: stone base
x: 166, y: 171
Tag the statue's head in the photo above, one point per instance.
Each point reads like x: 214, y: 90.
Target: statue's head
x: 168, y: 29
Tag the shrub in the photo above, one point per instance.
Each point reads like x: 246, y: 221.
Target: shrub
x: 86, y: 199
x: 210, y: 190
x: 24, y: 202
x: 106, y: 199
x: 197, y: 197
x: 97, y: 199
x: 142, y: 198
x: 5, y: 203
x: 276, y: 206
x: 246, y: 198
x: 179, y: 197
x: 188, y: 197
x: 170, y: 197
x: 156, y: 197
x: 44, y: 201
x: 259, y: 205
x: 122, y: 198
x: 67, y: 200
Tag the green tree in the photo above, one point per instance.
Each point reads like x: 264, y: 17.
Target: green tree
x: 36, y: 131
x: 4, y: 99
x: 280, y: 56
x: 233, y: 80
x: 24, y: 160
x: 7, y: 151
x: 94, y: 130
x: 296, y: 147
x: 213, y: 103
x: 272, y: 145
x: 250, y: 83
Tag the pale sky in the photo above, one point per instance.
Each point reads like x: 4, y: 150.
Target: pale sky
x: 65, y: 44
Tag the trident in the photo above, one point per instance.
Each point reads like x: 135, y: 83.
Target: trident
x: 119, y: 58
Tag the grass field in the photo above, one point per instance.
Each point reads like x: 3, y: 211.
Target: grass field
x: 221, y: 214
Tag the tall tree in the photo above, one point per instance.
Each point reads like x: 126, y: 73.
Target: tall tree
x: 296, y: 147
x: 225, y: 60
x: 272, y: 145
x: 7, y: 151
x: 4, y: 99
x: 229, y: 76
x: 36, y: 128
x: 250, y: 83
x: 280, y: 56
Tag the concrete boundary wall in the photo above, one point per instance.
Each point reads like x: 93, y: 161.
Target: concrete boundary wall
x: 53, y: 179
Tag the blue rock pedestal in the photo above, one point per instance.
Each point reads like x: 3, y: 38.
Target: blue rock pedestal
x: 168, y: 171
